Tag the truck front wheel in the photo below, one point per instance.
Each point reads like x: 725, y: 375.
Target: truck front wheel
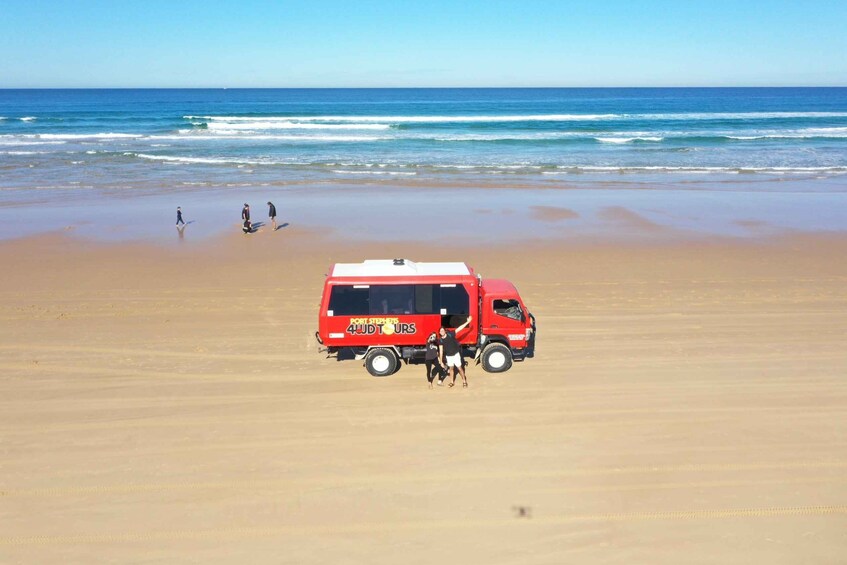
x: 496, y: 358
x: 381, y: 362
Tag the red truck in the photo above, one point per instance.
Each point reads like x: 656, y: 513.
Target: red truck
x: 383, y: 310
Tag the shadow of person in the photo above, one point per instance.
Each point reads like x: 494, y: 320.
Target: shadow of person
x: 280, y: 226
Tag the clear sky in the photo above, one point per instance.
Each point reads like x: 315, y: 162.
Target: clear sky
x: 398, y: 43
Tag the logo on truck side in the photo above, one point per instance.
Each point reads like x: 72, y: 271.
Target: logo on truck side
x: 379, y: 326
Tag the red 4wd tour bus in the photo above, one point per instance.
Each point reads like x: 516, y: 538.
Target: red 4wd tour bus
x: 383, y: 310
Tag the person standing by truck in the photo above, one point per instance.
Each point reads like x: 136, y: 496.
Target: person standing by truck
x: 451, y: 352
x: 433, y: 362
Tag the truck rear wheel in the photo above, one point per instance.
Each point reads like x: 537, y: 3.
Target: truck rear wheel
x: 496, y: 358
x: 381, y: 362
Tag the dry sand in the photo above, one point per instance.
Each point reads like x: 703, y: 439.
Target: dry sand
x: 164, y: 405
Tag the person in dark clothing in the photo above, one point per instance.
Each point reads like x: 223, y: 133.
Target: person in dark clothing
x: 272, y: 214
x: 451, y: 351
x: 433, y: 361
x: 245, y: 216
x: 179, y: 219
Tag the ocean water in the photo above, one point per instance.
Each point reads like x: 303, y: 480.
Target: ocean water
x: 136, y: 139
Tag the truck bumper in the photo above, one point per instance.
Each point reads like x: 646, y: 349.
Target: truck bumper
x: 530, y: 346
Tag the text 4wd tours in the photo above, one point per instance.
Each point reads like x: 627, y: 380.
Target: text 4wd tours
x: 379, y: 326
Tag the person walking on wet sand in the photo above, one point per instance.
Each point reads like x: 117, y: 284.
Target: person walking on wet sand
x: 179, y: 219
x: 245, y: 216
x: 272, y: 215
x: 451, y: 352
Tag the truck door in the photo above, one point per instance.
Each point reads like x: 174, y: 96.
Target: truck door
x: 506, y: 317
x: 454, y: 305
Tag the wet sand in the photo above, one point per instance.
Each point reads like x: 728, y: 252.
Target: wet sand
x: 167, y: 404
x: 433, y: 210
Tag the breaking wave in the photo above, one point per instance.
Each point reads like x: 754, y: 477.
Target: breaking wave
x: 198, y: 160
x: 287, y: 124
x: 626, y: 139
x: 503, y: 118
x: 363, y: 168
x: 412, y: 119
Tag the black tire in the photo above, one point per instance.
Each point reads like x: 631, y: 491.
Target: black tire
x: 381, y: 362
x: 496, y: 358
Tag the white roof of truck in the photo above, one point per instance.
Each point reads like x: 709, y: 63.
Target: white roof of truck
x: 390, y: 268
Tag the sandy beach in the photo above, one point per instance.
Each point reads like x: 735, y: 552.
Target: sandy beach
x: 665, y: 185
x: 167, y: 404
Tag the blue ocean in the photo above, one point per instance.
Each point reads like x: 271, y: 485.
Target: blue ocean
x: 134, y: 138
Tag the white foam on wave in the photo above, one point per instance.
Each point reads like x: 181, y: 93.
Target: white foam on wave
x: 545, y: 136
x: 16, y: 141
x: 72, y: 136
x: 388, y: 119
x: 266, y: 125
x: 23, y: 152
x: 620, y: 140
x: 184, y: 135
x: 737, y: 115
x: 798, y: 169
x: 761, y: 137
x: 55, y: 138
x: 633, y: 136
x: 808, y: 133
x: 28, y: 119
x: 392, y: 173
x: 238, y: 135
x: 228, y: 134
x: 242, y: 162
x: 822, y: 131
x: 197, y: 160
x: 611, y: 137
x: 411, y: 119
x: 536, y: 136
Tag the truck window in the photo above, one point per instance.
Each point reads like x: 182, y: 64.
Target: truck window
x: 392, y: 299
x: 427, y: 298
x: 348, y: 300
x: 508, y: 308
x: 454, y: 300
x: 385, y: 299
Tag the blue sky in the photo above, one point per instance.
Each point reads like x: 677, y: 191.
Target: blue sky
x: 399, y: 43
